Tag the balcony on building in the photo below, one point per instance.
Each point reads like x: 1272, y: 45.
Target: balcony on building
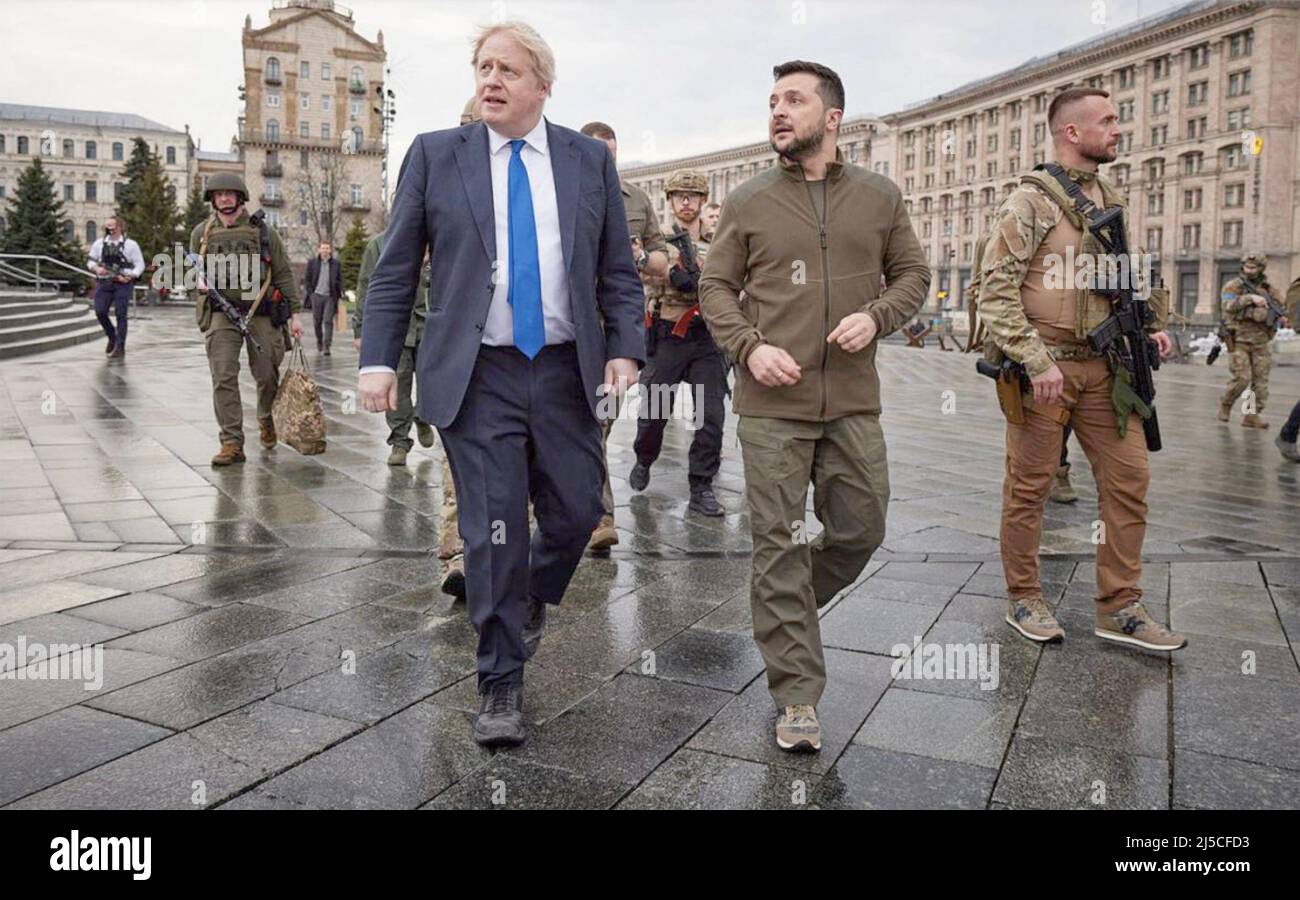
x: 362, y: 206
x: 271, y: 201
x: 272, y: 170
x: 356, y: 86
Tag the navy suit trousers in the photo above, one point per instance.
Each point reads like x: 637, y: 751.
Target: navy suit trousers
x: 524, y: 432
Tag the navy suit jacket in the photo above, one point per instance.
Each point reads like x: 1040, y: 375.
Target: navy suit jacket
x: 444, y: 202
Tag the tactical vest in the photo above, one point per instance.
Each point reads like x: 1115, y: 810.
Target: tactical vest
x: 240, y: 249
x: 1249, y: 323
x: 670, y: 303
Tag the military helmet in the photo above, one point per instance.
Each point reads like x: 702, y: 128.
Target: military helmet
x: 687, y: 180
x: 1258, y: 259
x: 226, y: 181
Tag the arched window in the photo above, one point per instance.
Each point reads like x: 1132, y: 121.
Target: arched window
x: 272, y: 129
x: 356, y: 75
x: 273, y: 70
x: 171, y: 156
x: 117, y: 151
x: 23, y: 144
x: 90, y: 231
x: 90, y: 149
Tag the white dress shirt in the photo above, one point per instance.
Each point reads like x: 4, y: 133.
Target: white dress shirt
x: 130, y: 249
x: 557, y: 310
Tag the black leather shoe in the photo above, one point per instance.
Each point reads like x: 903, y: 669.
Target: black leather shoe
x: 112, y: 345
x: 640, y: 477
x: 704, y: 503
x: 500, y: 721
x: 533, y: 627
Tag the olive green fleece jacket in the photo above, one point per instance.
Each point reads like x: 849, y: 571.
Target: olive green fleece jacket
x: 800, y: 281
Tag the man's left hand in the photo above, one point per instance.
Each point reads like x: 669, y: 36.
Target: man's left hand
x: 620, y: 374
x: 854, y: 332
x: 295, y: 325
x: 1164, y: 343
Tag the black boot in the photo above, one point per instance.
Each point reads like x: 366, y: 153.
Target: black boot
x: 640, y: 477
x: 500, y: 721
x: 704, y: 503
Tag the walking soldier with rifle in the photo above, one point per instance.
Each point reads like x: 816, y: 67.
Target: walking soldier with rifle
x: 247, y: 295
x: 1251, y: 316
x: 1083, y: 356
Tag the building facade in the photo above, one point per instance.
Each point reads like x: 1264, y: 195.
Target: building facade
x: 85, y: 153
x: 725, y: 169
x: 1207, y: 96
x: 310, y: 132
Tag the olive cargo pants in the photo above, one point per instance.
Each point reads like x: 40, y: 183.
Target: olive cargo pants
x: 1119, y: 466
x: 223, y: 343
x: 793, y: 577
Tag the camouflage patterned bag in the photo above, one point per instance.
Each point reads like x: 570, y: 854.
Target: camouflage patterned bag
x: 297, y: 412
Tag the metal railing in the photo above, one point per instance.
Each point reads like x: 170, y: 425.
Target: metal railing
x: 35, y: 277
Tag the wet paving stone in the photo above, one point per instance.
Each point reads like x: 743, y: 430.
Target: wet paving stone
x: 951, y: 728
x: 408, y: 759
x: 1045, y: 774
x: 507, y: 782
x: 694, y: 780
x: 712, y: 659
x: 871, y: 625
x: 50, y: 631
x: 1202, y: 781
x: 1239, y: 716
x: 136, y: 612
x: 52, y: 748
x: 547, y: 692
x: 869, y: 778
x: 211, y: 632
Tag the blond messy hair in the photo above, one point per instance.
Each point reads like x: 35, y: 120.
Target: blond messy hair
x: 527, y: 37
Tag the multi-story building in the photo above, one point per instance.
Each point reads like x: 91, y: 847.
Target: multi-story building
x: 311, y: 130
x: 85, y: 153
x: 725, y: 169
x: 1208, y: 96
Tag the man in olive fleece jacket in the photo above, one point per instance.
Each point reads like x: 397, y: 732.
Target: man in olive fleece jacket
x: 808, y: 241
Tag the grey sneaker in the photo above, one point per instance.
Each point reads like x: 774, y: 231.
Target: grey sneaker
x: 797, y: 729
x: 1134, y: 625
x: 1034, y: 620
x: 1287, y: 449
x: 500, y: 720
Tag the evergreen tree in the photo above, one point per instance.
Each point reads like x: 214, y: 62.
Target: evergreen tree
x: 148, y: 206
x: 354, y: 245
x: 197, y: 211
x: 134, y: 170
x: 36, y: 223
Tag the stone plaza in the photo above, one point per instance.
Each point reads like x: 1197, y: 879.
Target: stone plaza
x: 273, y: 634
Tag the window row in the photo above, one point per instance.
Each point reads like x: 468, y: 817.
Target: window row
x: 23, y: 145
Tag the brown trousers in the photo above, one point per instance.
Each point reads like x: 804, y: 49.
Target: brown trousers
x: 1119, y: 466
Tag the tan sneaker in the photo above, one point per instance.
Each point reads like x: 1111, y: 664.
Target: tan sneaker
x: 424, y: 433
x: 605, y: 535
x: 397, y: 456
x: 229, y: 453
x: 266, y: 432
x: 1034, y: 620
x: 1134, y: 625
x: 797, y: 729
x: 1253, y: 421
x: 1062, y: 491
x: 1225, y: 412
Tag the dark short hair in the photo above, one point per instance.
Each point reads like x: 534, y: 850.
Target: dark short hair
x: 1068, y: 96
x: 599, y: 130
x: 713, y: 206
x: 829, y: 86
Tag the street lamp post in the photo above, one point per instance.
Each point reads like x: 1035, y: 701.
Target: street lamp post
x: 387, y: 112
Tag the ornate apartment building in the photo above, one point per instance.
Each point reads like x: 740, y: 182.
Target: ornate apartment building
x: 311, y: 131
x: 1208, y: 96
x: 85, y: 154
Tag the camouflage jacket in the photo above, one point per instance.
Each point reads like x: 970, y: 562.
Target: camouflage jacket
x: 1019, y: 229
x: 1242, y: 315
x: 369, y: 259
x: 665, y: 299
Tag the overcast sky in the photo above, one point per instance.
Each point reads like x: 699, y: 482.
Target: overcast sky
x: 672, y: 78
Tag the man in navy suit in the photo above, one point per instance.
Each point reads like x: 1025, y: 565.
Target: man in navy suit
x: 529, y: 254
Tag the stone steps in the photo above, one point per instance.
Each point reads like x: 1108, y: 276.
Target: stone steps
x: 33, y: 322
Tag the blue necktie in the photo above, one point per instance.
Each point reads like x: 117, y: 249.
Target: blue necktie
x: 525, y: 289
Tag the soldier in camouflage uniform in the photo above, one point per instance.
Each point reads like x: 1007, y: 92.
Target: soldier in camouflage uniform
x: 230, y: 233
x: 1042, y: 323
x: 1246, y: 313
x: 684, y: 353
x: 651, y: 256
